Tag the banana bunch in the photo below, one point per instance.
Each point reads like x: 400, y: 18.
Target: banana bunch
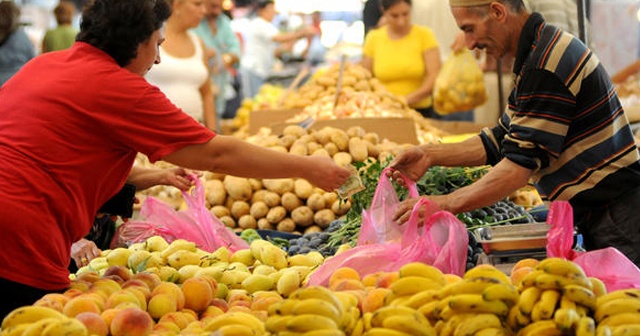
x: 618, y: 313
x: 416, y: 284
x: 309, y: 310
x: 475, y: 305
x: 396, y: 320
x: 41, y: 321
x: 235, y: 323
x: 556, y: 297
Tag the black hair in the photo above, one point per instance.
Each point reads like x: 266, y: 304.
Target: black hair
x: 386, y: 4
x: 260, y: 4
x: 118, y: 27
x: 9, y: 18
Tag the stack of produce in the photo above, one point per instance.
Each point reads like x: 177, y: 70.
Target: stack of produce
x: 288, y: 205
x: 268, y: 97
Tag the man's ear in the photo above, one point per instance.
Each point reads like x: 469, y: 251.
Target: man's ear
x: 497, y: 11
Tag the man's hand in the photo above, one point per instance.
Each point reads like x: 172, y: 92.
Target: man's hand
x: 403, y: 212
x: 412, y: 162
x: 83, y: 251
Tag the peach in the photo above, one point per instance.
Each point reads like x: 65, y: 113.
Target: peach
x: 191, y: 315
x: 370, y: 280
x: 151, y: 279
x: 197, y: 293
x: 97, y: 297
x: 263, y: 302
x: 211, y: 311
x: 346, y: 284
x: 240, y: 309
x: 131, y: 322
x: 139, y: 286
x: 108, y: 286
x: 166, y: 328
x: 80, y: 285
x: 386, y: 279
x: 49, y: 303
x: 122, y: 296
x: 518, y: 274
x: 238, y: 295
x: 526, y: 262
x: 121, y: 271
x: 115, y: 278
x: 343, y: 273
x: 72, y: 292
x: 162, y: 304
x: 108, y: 314
x: 94, y: 323
x: 170, y: 287
x: 374, y: 299
x: 176, y: 318
x: 88, y: 276
x: 80, y: 304
x: 220, y: 303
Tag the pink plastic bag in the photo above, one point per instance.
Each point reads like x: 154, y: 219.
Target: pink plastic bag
x: 441, y: 242
x: 377, y: 221
x: 195, y: 224
x: 608, y: 264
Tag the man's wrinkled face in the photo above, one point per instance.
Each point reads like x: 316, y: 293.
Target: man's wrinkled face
x: 148, y: 54
x: 480, y: 30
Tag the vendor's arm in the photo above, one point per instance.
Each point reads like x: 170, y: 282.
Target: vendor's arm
x: 144, y: 178
x: 229, y: 155
x: 432, y: 68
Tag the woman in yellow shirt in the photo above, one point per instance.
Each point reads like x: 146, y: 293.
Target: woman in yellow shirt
x: 403, y: 56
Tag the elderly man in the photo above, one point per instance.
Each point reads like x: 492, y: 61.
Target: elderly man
x: 564, y: 128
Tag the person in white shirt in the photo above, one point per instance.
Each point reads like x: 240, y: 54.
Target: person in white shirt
x: 262, y: 40
x: 183, y: 74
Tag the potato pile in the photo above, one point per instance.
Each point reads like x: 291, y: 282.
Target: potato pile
x: 289, y: 205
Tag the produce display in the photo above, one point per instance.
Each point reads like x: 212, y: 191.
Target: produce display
x: 160, y: 288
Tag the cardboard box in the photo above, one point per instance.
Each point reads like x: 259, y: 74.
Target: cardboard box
x: 264, y: 118
x: 400, y: 130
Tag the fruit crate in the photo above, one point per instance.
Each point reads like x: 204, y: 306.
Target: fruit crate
x: 515, y: 237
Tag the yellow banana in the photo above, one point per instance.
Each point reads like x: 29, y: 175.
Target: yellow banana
x: 529, y: 280
x: 428, y: 310
x: 477, y: 323
x: 66, y: 327
x: 36, y: 328
x: 318, y: 292
x: 528, y: 298
x: 177, y: 245
x: 451, y: 324
x: 419, y: 299
x: 414, y: 324
x: 358, y: 329
x: 236, y: 317
x: 621, y: 319
x: 324, y: 332
x: 366, y: 320
x: 348, y: 300
x: 552, y: 281
x: 619, y: 294
x: 598, y: 287
x: 615, y: 307
x: 582, y: 310
x: 284, y: 307
x: 491, y: 332
x: 15, y: 330
x: 422, y: 270
x: 503, y: 292
x: 384, y: 332
x: 350, y: 319
x: 559, y: 266
x: 547, y: 305
x: 586, y: 327
x: 516, y: 319
x: 487, y: 271
x: 319, y: 307
x: 29, y: 314
x: 310, y: 322
x: 546, y: 327
x: 626, y: 330
x: 566, y: 319
x: 536, y: 312
x: 468, y: 286
x: 277, y: 323
x: 565, y: 303
x: 235, y: 330
x: 580, y: 295
x: 383, y: 313
x: 473, y: 303
x: 413, y: 284
x: 603, y: 331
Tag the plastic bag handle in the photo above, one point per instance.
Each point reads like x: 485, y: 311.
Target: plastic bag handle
x: 410, y: 184
x: 412, y: 231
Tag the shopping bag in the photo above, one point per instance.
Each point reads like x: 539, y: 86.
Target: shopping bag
x: 378, y: 225
x: 608, y: 264
x: 442, y: 242
x: 459, y: 85
x: 195, y: 223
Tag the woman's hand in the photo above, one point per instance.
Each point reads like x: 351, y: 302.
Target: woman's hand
x: 83, y: 251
